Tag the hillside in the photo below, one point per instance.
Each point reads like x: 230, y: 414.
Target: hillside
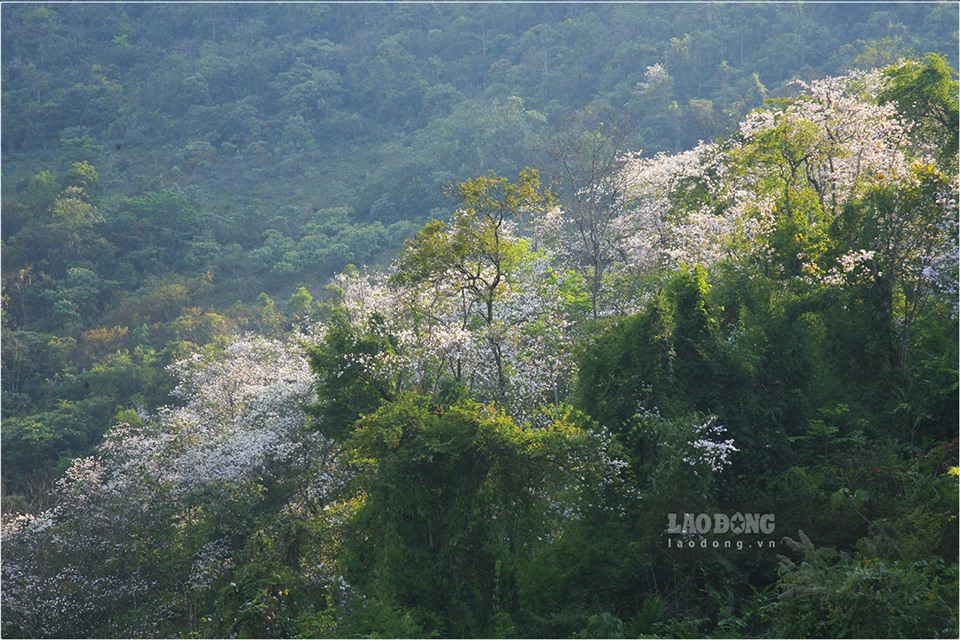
x: 452, y: 320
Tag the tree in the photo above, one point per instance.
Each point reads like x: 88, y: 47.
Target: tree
x: 819, y: 151
x: 592, y: 196
x: 301, y: 304
x: 480, y: 494
x: 200, y: 475
x: 473, y: 259
x: 902, y: 244
x: 673, y: 218
x: 627, y: 366
x: 926, y: 93
x: 353, y: 373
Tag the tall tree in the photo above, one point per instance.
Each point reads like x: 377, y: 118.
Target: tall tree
x: 474, y: 258
x: 593, y: 195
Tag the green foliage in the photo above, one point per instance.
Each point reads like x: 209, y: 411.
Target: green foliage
x: 626, y: 367
x: 475, y: 250
x: 476, y: 257
x: 667, y: 357
x: 347, y: 387
x: 927, y: 92
x: 449, y: 545
x: 597, y: 565
x: 42, y: 443
x: 273, y: 593
x: 374, y: 618
x: 301, y: 304
x: 603, y: 625
x: 831, y: 594
x: 691, y: 337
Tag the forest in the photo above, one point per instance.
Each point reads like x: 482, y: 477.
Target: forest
x: 588, y: 320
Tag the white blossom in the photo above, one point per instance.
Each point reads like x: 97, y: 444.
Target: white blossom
x: 240, y: 424
x: 707, y: 446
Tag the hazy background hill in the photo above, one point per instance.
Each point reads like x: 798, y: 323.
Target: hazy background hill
x: 373, y: 107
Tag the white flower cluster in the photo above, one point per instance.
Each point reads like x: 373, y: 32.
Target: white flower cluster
x: 212, y: 560
x: 697, y: 442
x: 659, y: 233
x: 850, y: 267
x: 844, y: 141
x: 164, y: 482
x: 655, y: 74
x: 440, y: 334
x: 833, y: 141
x: 242, y: 412
x: 707, y: 446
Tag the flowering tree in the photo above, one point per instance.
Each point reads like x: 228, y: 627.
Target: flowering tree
x: 144, y: 532
x: 593, y: 197
x: 473, y: 260
x: 426, y: 345
x: 854, y: 200
x: 674, y: 218
x: 829, y: 186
